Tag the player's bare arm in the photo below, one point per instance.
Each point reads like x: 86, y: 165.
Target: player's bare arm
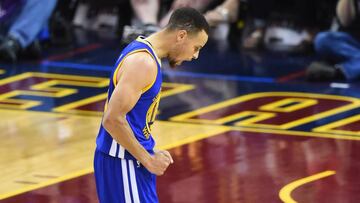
x: 137, y: 72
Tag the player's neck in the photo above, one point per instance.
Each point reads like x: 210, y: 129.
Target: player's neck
x: 159, y: 42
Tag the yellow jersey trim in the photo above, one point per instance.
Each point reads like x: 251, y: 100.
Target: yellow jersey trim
x: 121, y: 62
x: 139, y: 39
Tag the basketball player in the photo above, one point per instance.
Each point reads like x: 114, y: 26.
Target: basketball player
x: 125, y: 161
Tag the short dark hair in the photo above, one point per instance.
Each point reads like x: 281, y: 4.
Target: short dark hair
x: 188, y: 19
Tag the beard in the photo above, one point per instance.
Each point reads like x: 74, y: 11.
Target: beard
x: 173, y: 63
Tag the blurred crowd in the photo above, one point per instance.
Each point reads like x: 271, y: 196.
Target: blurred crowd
x: 330, y: 28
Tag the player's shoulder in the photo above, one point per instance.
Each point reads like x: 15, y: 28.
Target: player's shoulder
x: 140, y: 63
x: 141, y: 59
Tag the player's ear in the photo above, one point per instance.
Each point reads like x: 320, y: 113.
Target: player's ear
x: 181, y: 35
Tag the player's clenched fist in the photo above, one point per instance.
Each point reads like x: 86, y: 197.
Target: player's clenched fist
x: 159, y: 162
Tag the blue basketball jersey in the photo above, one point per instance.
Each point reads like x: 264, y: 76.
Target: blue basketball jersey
x: 143, y: 114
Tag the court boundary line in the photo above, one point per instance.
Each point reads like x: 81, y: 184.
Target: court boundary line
x: 89, y: 170
x: 250, y: 129
x: 219, y: 130
x: 285, y: 192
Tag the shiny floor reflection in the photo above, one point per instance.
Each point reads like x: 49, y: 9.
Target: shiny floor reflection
x: 243, y: 167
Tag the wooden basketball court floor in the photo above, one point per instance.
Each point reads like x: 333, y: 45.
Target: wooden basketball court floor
x: 242, y: 128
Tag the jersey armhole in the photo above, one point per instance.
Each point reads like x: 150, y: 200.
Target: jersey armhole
x: 114, y: 79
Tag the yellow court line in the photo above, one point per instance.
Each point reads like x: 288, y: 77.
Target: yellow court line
x: 296, y: 133
x: 221, y: 129
x: 53, y: 82
x: 245, y: 129
x: 177, y: 89
x: 191, y: 139
x: 15, y: 78
x: 90, y: 170
x: 281, y: 105
x: 66, y: 76
x: 251, y: 96
x: 99, y: 80
x: 82, y: 102
x: 86, y: 112
x: 285, y: 192
x: 330, y: 127
x: 353, y: 103
x: 47, y: 183
x: 70, y: 107
x: 46, y: 89
x: 257, y: 116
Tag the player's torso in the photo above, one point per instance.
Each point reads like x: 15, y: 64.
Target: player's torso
x: 143, y: 114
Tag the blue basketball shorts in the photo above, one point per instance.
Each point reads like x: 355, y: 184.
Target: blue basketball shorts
x: 123, y: 181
